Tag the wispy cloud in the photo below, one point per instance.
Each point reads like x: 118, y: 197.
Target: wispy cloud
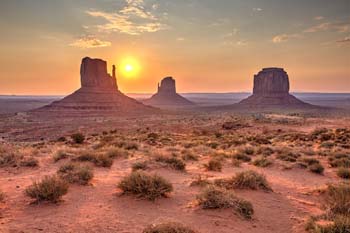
x: 284, y: 38
x: 88, y: 42
x: 257, y: 9
x: 132, y: 19
x: 318, y: 17
x: 329, y: 26
x: 344, y: 40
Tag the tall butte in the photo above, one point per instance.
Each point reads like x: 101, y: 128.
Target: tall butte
x: 166, y: 95
x: 98, y: 93
x: 271, y: 88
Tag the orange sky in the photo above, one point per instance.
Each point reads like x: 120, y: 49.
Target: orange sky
x: 205, y: 46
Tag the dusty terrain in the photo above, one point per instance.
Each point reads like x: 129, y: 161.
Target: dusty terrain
x: 100, y: 207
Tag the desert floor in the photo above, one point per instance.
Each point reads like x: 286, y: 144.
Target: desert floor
x: 193, y: 138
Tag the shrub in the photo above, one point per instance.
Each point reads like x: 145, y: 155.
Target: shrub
x: 116, y: 152
x: 200, y: 181
x: 50, y: 188
x: 242, y: 157
x: 139, y: 166
x: 340, y: 160
x: 214, y: 164
x: 262, y: 162
x: 337, y: 199
x: 245, y: 180
x: 8, y: 159
x: 316, y: 168
x: 101, y: 160
x: 78, y: 138
x: 266, y: 151
x: 61, y: 154
x: 29, y: 162
x: 131, y: 146
x: 340, y: 224
x: 288, y: 156
x: 146, y: 186
x: 189, y: 156
x: 172, y: 161
x: 344, y: 173
x: 215, y: 198
x: 75, y: 173
x: 168, y: 228
x: 2, y: 196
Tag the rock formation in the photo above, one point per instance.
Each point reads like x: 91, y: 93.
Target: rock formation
x: 166, y: 95
x: 99, y: 92
x: 271, y: 88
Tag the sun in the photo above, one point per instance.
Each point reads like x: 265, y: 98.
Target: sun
x: 130, y: 67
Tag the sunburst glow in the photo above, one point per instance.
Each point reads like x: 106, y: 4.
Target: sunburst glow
x: 129, y: 67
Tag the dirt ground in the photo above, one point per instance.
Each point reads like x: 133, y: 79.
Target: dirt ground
x: 100, y: 207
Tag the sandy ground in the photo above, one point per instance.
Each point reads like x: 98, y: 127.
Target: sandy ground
x: 99, y: 207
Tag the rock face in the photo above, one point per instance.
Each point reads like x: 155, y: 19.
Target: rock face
x: 271, y: 88
x: 98, y: 93
x: 166, y: 95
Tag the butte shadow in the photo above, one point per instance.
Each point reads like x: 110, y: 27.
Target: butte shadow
x: 99, y: 94
x: 166, y: 96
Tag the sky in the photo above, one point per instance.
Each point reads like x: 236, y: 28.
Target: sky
x: 206, y: 45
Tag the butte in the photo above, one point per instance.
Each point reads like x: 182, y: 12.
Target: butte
x: 271, y: 89
x: 99, y: 93
x: 167, y: 97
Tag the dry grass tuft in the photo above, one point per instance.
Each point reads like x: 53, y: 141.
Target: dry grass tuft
x: 146, y: 186
x: 50, y: 188
x: 214, y: 164
x: 168, y: 228
x: 216, y: 198
x: 76, y: 173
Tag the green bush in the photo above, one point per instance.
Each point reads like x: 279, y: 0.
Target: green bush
x: 50, y: 188
x: 146, y: 186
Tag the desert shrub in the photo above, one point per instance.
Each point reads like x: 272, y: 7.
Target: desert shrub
x: 59, y: 155
x: 131, y: 146
x: 50, y: 188
x: 309, y: 161
x: 344, y: 173
x: 168, y: 228
x: 242, y: 157
x: 2, y: 196
x: 29, y: 162
x: 339, y: 160
x: 61, y: 139
x: 316, y: 168
x: 200, y: 181
x: 214, y: 164
x: 248, y: 150
x: 115, y: 152
x: 216, y: 198
x: 189, y: 156
x: 287, y: 156
x: 8, y: 159
x: 262, y: 162
x: 75, y: 173
x: 337, y: 198
x: 78, y: 138
x: 266, y: 151
x: 146, y: 186
x: 172, y: 161
x: 327, y: 144
x: 236, y: 162
x: 139, y: 166
x: 245, y: 180
x: 100, y: 160
x: 340, y: 224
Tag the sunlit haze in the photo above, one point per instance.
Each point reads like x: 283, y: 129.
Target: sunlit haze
x: 208, y: 46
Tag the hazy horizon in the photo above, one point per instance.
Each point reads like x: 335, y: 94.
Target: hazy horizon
x: 207, y: 46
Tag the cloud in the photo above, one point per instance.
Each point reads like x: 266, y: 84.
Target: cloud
x: 180, y: 39
x: 344, y: 40
x: 318, y: 18
x: 329, y: 26
x: 88, y: 42
x: 284, y: 38
x: 132, y: 19
x: 257, y: 9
